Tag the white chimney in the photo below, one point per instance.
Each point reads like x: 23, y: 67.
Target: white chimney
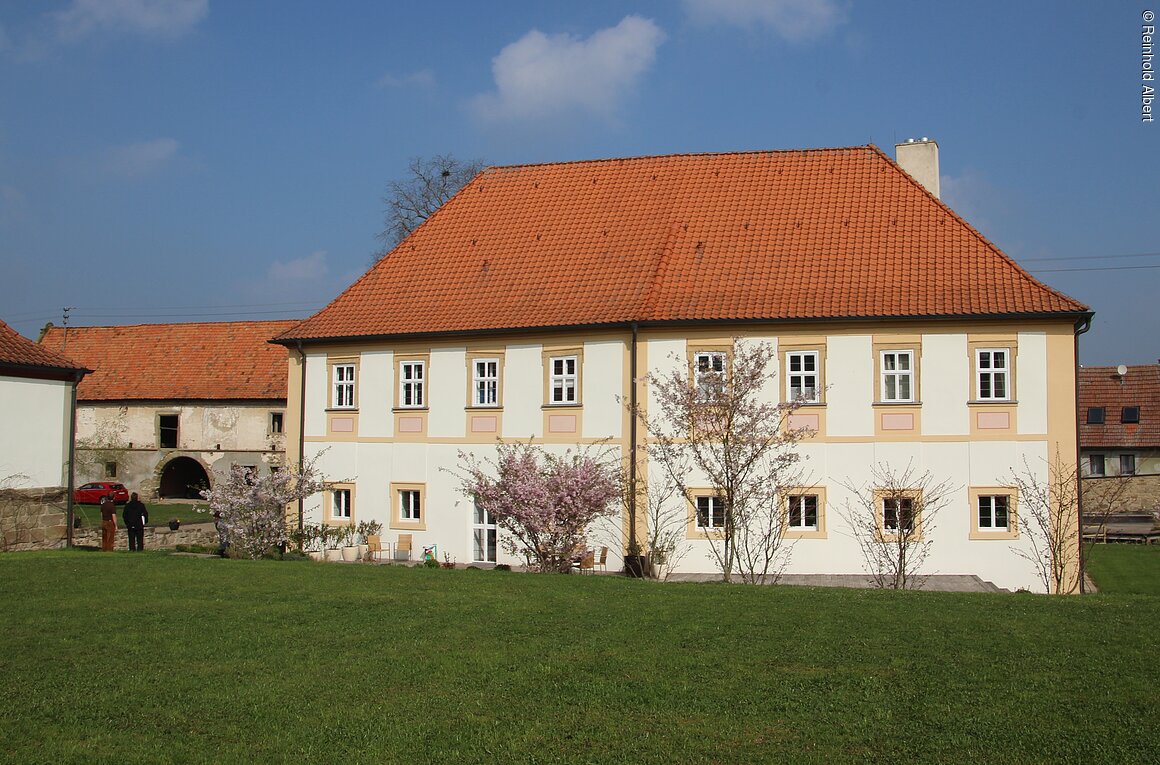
x: 919, y: 158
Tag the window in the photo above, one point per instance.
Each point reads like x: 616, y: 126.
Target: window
x: 994, y: 512
x: 249, y: 473
x: 1130, y: 414
x: 803, y: 512
x: 562, y: 379
x: 275, y: 422
x: 802, y: 377
x: 1127, y: 464
x: 410, y: 505
x: 898, y: 376
x: 1095, y: 415
x: 110, y: 470
x: 340, y: 504
x: 897, y: 514
x: 167, y: 431
x: 485, y: 382
x: 411, y: 385
x: 483, y: 536
x: 1096, y: 464
x: 992, y: 374
x: 343, y: 375
x: 709, y: 374
x: 710, y: 512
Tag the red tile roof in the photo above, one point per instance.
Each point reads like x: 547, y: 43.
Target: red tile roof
x: 159, y: 362
x: 1104, y: 387
x: 17, y: 350
x: 781, y: 235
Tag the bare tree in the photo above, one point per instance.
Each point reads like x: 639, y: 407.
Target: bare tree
x: 1049, y: 519
x: 665, y: 541
x: 716, y: 419
x: 429, y: 183
x: 892, y: 519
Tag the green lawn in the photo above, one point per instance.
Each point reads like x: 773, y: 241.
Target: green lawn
x: 1125, y: 569
x: 159, y: 513
x: 161, y: 658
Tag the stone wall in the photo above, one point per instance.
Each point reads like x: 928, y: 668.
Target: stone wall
x: 156, y: 537
x: 32, y: 519
x: 1132, y: 494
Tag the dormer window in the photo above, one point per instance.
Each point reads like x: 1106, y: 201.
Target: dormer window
x: 1130, y: 414
x: 1095, y: 415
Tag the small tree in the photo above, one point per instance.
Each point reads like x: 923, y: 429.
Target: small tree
x: 716, y: 417
x: 1049, y: 519
x: 666, y: 518
x: 892, y: 519
x: 429, y: 183
x: 544, y: 501
x: 253, y: 507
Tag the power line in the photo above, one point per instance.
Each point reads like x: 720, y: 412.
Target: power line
x: 1093, y: 257
x: 1093, y: 268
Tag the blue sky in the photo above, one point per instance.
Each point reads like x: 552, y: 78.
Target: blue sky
x: 181, y: 160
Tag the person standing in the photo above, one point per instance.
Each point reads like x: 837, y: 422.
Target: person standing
x: 136, y: 515
x: 108, y: 522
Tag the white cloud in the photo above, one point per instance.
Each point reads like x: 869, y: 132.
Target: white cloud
x: 139, y: 159
x: 305, y: 269
x: 794, y: 20
x: 424, y: 78
x: 543, y: 75
x: 149, y: 18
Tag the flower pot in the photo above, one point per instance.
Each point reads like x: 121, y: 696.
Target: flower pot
x: 174, y: 525
x: 635, y: 565
x: 317, y: 555
x: 362, y: 551
x: 334, y: 554
x: 350, y: 553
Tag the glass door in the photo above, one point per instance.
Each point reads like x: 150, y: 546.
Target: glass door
x: 483, y: 534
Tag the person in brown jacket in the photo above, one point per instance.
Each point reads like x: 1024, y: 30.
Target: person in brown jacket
x: 108, y: 522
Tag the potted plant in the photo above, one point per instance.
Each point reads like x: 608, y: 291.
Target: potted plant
x: 310, y: 541
x: 330, y: 542
x: 346, y: 536
x: 174, y: 524
x: 366, y: 530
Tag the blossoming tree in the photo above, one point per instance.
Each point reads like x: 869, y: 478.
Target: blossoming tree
x: 253, y: 507
x: 544, y: 501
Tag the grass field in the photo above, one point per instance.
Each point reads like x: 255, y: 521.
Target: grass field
x: 159, y: 513
x: 1125, y: 569
x: 160, y: 658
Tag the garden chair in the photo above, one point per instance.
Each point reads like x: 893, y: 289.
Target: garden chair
x: 602, y: 561
x: 403, y: 548
x: 375, y: 547
x: 588, y: 562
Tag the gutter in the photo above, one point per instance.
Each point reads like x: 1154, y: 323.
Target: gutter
x: 301, y: 426
x: 632, y: 448
x: 1082, y: 325
x: 72, y: 452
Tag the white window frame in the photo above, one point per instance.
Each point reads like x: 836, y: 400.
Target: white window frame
x: 897, y: 527
x: 892, y: 373
x: 412, y: 384
x: 715, y: 510
x: 710, y: 367
x: 485, y: 382
x: 484, y: 536
x: 990, y: 376
x: 340, y: 508
x: 344, y: 386
x: 797, y: 507
x: 989, y: 505
x: 795, y: 380
x: 410, y: 505
x: 563, y: 383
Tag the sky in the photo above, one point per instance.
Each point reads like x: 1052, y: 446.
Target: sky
x: 205, y: 160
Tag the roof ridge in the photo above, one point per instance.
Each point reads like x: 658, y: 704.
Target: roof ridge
x: 677, y: 155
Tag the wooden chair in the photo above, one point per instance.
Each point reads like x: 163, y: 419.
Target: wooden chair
x: 374, y: 547
x: 602, y: 561
x: 403, y: 548
x: 588, y: 562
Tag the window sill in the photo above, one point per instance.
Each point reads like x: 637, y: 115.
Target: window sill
x: 806, y: 404
x: 406, y: 409
x: 343, y: 409
x: 897, y: 403
x: 483, y: 408
x: 556, y: 407
x: 993, y: 402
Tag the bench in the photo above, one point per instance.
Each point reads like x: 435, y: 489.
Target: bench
x: 1121, y: 527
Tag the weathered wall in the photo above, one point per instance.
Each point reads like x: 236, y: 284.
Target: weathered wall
x: 156, y: 537
x: 32, y: 519
x: 1131, y: 495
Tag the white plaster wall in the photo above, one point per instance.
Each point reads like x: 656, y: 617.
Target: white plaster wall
x: 34, y: 432
x: 946, y: 385
x: 317, y: 391
x: 850, y: 391
x: 1031, y: 383
x: 664, y: 356
x: 447, y: 393
x: 375, y: 395
x: 603, y: 387
x: 523, y: 392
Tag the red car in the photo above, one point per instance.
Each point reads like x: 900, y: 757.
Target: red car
x: 91, y: 493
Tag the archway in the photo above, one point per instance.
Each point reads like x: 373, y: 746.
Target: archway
x: 182, y: 478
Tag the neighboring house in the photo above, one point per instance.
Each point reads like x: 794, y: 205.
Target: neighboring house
x: 534, y: 302
x: 170, y: 408
x: 36, y: 412
x: 1119, y: 430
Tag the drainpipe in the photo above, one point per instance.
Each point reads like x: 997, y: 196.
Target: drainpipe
x: 72, y: 452
x: 1081, y: 326
x: 301, y: 427
x: 632, y: 434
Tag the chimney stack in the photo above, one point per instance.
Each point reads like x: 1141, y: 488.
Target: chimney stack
x: 919, y: 158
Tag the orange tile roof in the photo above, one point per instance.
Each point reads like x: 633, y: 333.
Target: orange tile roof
x: 1103, y: 387
x: 166, y: 362
x: 773, y: 235
x: 17, y: 350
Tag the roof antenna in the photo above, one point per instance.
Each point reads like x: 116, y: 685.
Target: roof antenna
x: 64, y: 323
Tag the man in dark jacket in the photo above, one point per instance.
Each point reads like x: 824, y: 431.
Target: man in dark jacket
x: 136, y: 516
